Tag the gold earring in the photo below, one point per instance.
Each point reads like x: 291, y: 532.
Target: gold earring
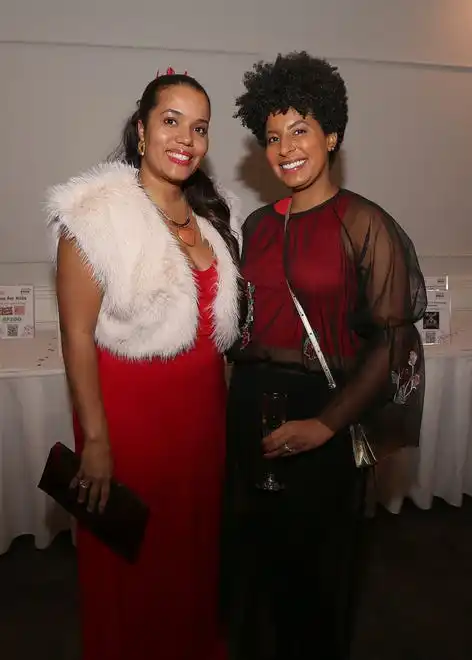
x: 141, y: 147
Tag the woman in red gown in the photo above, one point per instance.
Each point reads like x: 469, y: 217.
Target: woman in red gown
x: 147, y: 292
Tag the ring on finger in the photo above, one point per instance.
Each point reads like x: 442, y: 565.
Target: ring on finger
x: 84, y: 483
x: 287, y: 448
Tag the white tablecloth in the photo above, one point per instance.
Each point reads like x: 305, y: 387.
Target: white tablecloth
x: 442, y: 466
x: 34, y: 414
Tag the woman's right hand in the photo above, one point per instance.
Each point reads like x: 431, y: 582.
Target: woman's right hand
x: 93, y: 477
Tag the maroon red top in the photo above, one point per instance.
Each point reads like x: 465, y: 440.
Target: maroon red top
x: 321, y: 274
x: 356, y: 274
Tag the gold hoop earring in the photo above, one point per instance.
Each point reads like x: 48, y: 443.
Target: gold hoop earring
x: 332, y: 142
x: 141, y: 147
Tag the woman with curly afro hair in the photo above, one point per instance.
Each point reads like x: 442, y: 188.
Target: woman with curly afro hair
x: 295, y: 496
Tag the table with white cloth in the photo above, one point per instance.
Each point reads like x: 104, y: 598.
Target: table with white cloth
x: 442, y: 466
x: 34, y: 414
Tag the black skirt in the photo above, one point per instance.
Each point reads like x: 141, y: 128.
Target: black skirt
x: 288, y: 556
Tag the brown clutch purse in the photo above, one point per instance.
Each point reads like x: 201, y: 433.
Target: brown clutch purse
x: 123, y: 523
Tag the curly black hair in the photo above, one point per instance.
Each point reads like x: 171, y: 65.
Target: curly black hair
x: 309, y: 85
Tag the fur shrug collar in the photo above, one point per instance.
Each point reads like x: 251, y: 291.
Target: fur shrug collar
x: 150, y: 297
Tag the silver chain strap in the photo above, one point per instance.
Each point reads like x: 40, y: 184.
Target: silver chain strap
x: 306, y: 323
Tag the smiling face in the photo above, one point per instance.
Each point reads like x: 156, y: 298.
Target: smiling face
x: 176, y: 134
x: 297, y: 149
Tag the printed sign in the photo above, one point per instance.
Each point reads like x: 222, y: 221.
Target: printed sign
x: 438, y: 283
x: 435, y: 326
x: 16, y: 312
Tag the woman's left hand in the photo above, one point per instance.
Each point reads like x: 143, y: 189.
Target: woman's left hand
x: 294, y: 437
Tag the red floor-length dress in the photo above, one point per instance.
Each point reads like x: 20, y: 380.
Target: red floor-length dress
x: 167, y: 426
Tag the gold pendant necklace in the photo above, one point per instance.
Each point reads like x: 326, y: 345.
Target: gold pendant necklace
x: 185, y: 232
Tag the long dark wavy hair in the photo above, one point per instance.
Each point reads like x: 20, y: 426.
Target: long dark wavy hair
x: 199, y: 189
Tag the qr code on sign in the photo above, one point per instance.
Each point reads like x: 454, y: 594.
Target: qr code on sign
x: 430, y: 337
x: 12, y: 331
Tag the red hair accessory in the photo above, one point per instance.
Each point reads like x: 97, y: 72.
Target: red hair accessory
x: 170, y: 72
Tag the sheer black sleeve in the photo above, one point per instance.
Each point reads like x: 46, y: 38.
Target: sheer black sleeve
x: 391, y: 299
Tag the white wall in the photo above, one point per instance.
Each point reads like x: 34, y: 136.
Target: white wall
x: 71, y: 72
x: 433, y: 31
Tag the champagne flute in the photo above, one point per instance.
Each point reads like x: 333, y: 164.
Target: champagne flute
x: 274, y: 414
